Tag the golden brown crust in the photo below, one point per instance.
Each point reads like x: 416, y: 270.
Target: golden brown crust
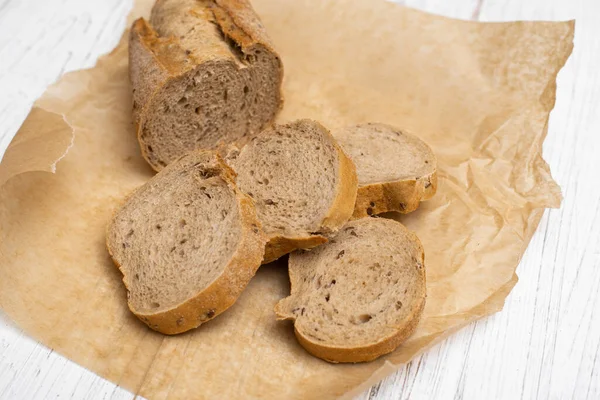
x: 238, y: 21
x: 279, y: 246
x: 225, y: 290
x: 345, y: 198
x: 430, y: 188
x: 401, y: 196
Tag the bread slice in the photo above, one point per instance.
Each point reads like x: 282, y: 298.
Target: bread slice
x: 396, y: 170
x: 203, y: 71
x: 360, y: 295
x: 302, y: 183
x: 187, y: 242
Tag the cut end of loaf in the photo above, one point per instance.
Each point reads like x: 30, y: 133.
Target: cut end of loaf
x: 358, y: 296
x: 198, y: 83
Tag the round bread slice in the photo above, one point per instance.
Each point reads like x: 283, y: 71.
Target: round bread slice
x: 187, y: 242
x: 396, y: 170
x: 203, y: 72
x: 302, y: 183
x: 360, y: 295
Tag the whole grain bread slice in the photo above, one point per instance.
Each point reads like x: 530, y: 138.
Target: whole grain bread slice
x: 360, y: 295
x: 303, y: 185
x: 187, y: 242
x: 396, y: 170
x: 203, y: 72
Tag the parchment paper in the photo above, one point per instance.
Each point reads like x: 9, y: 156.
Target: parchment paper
x: 479, y: 94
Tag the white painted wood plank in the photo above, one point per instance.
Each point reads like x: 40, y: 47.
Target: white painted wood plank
x: 545, y: 344
x: 29, y: 370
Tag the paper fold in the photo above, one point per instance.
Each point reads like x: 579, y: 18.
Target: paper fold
x: 43, y: 140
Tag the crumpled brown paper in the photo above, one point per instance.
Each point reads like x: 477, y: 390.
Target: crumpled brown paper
x: 479, y: 94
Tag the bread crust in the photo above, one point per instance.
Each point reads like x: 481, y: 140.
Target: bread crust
x: 403, y: 196
x: 341, y: 354
x: 346, y: 194
x: 238, y: 21
x: 224, y: 291
x: 278, y: 246
x: 155, y: 61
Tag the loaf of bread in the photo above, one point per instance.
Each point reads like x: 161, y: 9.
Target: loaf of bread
x: 396, y: 170
x: 187, y: 242
x: 302, y: 183
x: 360, y: 295
x: 203, y: 72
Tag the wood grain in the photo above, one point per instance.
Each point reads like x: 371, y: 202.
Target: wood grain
x: 545, y: 344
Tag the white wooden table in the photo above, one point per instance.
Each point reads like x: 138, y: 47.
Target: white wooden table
x: 545, y: 343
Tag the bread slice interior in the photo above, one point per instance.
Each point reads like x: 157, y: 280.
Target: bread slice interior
x: 360, y: 295
x: 180, y: 237
x: 302, y: 184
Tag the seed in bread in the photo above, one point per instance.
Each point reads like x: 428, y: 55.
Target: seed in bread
x: 302, y: 183
x: 360, y: 295
x: 187, y: 242
x: 203, y: 72
x: 396, y: 170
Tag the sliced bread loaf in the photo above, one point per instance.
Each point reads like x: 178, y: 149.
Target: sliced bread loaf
x: 203, y: 71
x: 302, y: 183
x: 187, y: 242
x: 360, y: 295
x: 396, y: 170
